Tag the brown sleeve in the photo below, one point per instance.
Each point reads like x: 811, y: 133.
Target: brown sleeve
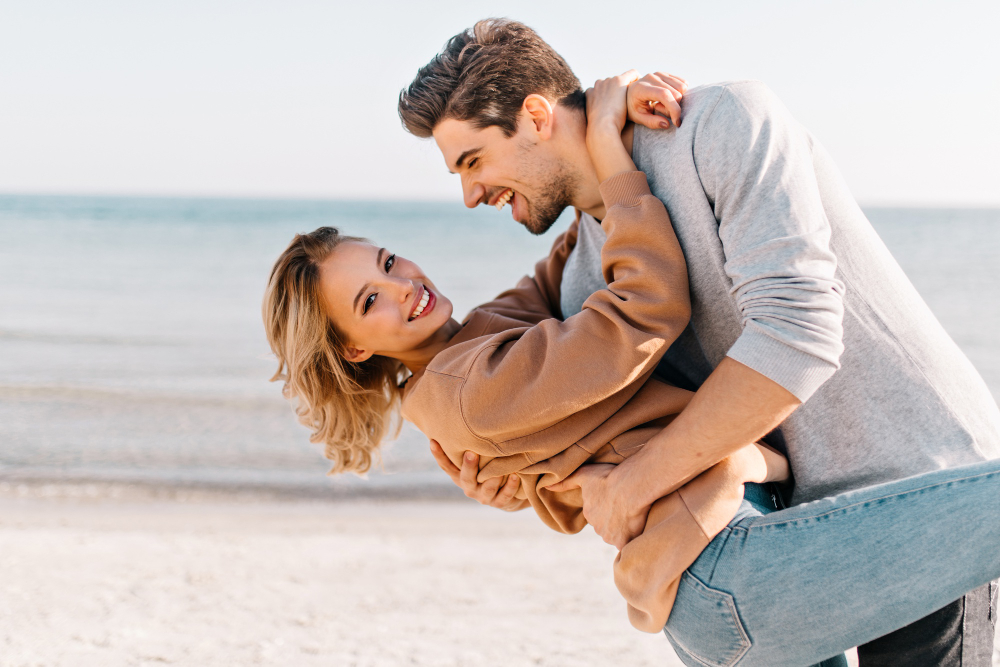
x: 528, y: 380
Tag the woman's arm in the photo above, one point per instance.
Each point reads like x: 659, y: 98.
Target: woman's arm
x: 573, y: 375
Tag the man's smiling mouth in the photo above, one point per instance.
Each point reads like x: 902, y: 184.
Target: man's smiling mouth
x: 504, y: 198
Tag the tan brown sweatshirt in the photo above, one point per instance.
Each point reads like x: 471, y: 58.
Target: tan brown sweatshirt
x: 539, y: 397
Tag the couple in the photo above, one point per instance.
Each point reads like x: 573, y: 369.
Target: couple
x: 650, y: 396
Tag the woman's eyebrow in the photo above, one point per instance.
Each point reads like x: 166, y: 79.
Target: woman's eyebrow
x: 364, y: 288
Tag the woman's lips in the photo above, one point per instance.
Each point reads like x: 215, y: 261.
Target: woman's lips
x: 428, y: 305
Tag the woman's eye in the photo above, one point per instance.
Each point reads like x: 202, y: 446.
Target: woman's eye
x: 389, y: 262
x: 369, y: 302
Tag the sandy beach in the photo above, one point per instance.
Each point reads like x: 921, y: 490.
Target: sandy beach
x: 103, y: 575
x: 112, y: 574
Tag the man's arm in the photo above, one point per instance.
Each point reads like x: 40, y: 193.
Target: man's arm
x: 736, y: 405
x: 756, y: 167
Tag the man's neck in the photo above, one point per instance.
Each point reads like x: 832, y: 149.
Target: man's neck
x: 588, y: 197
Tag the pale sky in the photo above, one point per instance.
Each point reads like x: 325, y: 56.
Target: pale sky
x: 298, y: 99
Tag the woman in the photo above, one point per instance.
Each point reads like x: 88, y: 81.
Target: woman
x: 350, y: 321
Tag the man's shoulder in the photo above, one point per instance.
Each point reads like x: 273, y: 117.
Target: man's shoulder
x: 724, y: 109
x: 740, y: 97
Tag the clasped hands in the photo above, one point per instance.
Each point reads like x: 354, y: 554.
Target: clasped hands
x: 605, y: 507
x: 648, y: 101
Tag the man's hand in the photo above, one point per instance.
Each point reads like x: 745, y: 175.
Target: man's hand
x: 489, y: 492
x: 605, y: 506
x: 654, y: 96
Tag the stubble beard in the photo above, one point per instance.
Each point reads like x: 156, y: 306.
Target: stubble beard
x: 555, y: 188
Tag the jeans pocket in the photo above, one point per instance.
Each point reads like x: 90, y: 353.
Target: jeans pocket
x: 704, y: 626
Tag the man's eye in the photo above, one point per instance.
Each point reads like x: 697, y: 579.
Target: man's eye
x: 472, y: 162
x: 369, y: 302
x: 389, y: 262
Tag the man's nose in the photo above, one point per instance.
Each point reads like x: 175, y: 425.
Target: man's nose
x: 473, y: 192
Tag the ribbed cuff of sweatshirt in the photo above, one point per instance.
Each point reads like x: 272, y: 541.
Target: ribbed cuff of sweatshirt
x: 797, y: 371
x: 624, y: 189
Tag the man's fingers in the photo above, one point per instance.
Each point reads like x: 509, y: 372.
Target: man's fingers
x: 487, y: 491
x: 507, y: 492
x: 443, y: 461
x: 467, y: 476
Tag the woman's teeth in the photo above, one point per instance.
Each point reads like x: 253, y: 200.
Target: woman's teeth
x: 504, y: 198
x: 420, y: 306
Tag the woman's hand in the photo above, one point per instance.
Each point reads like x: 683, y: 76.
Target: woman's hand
x: 652, y: 97
x: 606, y: 105
x: 615, y: 100
x: 606, y: 118
x: 490, y: 492
x: 604, y: 507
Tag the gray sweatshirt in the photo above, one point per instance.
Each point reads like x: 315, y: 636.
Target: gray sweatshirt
x: 789, y: 278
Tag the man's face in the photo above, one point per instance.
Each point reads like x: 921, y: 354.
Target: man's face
x: 520, y: 170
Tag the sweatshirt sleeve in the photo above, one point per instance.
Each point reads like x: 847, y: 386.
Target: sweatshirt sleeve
x: 527, y: 380
x: 756, y: 166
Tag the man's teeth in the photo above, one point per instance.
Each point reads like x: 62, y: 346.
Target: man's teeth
x: 420, y: 306
x: 504, y: 198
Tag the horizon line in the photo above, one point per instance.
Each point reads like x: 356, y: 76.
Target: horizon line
x: 421, y: 200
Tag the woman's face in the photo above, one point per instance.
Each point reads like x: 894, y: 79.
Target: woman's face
x: 382, y: 303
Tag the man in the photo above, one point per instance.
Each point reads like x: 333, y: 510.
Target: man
x: 801, y: 318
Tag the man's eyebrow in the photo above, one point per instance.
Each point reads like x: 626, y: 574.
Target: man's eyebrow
x: 461, y: 158
x: 364, y: 288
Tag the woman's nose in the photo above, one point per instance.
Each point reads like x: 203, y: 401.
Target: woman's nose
x: 406, y: 289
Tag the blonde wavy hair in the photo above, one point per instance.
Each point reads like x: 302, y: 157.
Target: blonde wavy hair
x: 349, y: 407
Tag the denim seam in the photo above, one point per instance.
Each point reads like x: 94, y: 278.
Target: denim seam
x: 965, y: 630
x: 745, y: 642
x: 840, y: 510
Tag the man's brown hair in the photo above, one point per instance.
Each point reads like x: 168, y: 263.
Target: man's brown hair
x: 483, y: 75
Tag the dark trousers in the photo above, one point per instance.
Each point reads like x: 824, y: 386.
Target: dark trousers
x: 959, y: 635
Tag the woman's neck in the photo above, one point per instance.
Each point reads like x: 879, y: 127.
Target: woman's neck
x: 418, y: 359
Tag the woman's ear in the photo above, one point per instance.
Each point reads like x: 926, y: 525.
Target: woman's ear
x: 356, y: 355
x: 539, y: 112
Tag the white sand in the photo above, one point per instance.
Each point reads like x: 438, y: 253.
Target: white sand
x: 203, y: 580
x: 140, y: 582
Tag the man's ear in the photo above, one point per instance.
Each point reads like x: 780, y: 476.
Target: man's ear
x: 356, y: 355
x: 539, y: 111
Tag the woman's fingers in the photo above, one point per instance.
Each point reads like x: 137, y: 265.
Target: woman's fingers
x: 629, y: 76
x: 673, y: 81
x: 655, y: 97
x: 571, y: 482
x: 668, y: 104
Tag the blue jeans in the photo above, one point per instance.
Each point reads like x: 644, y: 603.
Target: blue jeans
x: 797, y: 586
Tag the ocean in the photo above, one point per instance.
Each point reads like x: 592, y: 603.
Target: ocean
x: 132, y: 350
